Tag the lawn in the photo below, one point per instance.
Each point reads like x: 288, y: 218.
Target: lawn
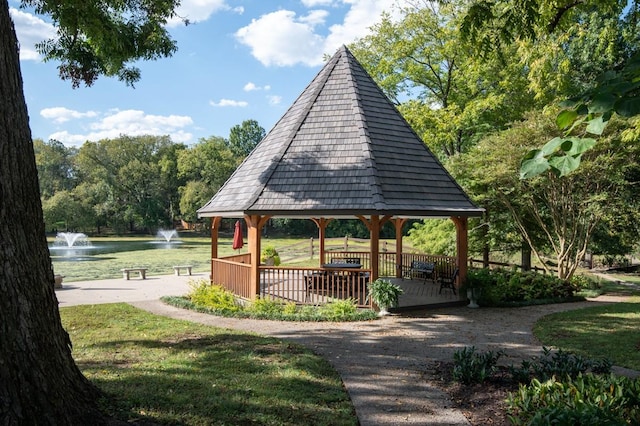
x: 608, y: 331
x: 176, y: 372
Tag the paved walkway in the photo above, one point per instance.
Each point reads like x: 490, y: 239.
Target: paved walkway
x: 385, y: 364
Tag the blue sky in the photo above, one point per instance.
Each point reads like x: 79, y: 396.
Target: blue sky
x: 238, y: 60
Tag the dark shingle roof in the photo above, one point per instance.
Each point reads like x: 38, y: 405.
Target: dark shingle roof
x: 341, y: 149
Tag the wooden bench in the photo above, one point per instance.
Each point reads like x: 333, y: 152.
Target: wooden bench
x: 424, y: 269
x: 176, y: 269
x: 127, y: 271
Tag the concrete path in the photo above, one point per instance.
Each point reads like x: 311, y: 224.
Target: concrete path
x: 386, y: 365
x: 120, y: 290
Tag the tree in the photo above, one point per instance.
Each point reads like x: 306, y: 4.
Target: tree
x: 449, y: 95
x: 55, y: 166
x: 194, y: 195
x: 244, y: 137
x: 554, y: 214
x: 496, y: 23
x: 140, y: 173
x: 210, y: 162
x: 39, y: 381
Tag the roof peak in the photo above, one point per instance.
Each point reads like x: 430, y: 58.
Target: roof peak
x: 341, y: 147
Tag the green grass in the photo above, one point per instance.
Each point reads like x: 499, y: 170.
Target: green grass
x: 630, y: 278
x: 608, y: 331
x: 176, y: 372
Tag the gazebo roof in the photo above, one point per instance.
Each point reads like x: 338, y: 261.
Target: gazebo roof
x: 342, y: 149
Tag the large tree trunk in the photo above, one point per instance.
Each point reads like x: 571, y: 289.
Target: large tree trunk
x: 39, y: 381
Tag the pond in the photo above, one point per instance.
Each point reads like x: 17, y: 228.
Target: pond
x: 92, y: 250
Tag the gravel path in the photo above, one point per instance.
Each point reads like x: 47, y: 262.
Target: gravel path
x: 385, y: 364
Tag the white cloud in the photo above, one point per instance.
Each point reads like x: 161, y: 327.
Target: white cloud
x: 315, y: 3
x: 201, y: 10
x: 274, y: 100
x: 130, y: 123
x: 61, y: 114
x: 228, y: 103
x: 282, y: 38
x: 357, y: 22
x: 278, y: 38
x: 250, y: 87
x: 30, y: 30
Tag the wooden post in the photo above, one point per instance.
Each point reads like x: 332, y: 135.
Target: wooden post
x: 321, y: 223
x: 462, y: 245
x: 374, y: 225
x: 374, y: 232
x: 311, y: 248
x: 254, y: 226
x: 399, y: 223
x: 215, y: 227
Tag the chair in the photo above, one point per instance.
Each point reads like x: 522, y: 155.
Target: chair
x: 448, y: 281
x: 315, y: 284
x: 424, y: 269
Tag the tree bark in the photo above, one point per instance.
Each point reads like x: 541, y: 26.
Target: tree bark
x: 39, y: 381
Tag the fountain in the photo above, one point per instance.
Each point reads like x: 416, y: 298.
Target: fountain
x: 168, y: 236
x: 72, y: 246
x: 71, y: 240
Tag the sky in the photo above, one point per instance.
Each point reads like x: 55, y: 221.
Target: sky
x: 237, y: 60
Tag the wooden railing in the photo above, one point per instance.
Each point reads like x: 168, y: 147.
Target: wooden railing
x: 233, y: 276
x: 444, y: 264
x: 314, y: 285
x: 492, y: 264
x: 387, y: 261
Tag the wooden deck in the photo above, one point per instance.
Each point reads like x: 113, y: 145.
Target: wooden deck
x: 417, y: 293
x: 305, y: 285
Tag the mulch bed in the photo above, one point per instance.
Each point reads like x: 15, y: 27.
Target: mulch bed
x: 481, y: 403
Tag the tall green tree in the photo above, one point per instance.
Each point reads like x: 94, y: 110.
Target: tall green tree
x: 55, y: 166
x: 39, y: 380
x: 446, y: 91
x: 497, y: 23
x: 244, y: 137
x: 205, y: 167
x: 141, y: 176
x: 554, y: 215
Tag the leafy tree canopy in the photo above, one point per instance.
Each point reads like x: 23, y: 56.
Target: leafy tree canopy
x: 104, y: 37
x: 491, y: 23
x: 244, y: 137
x: 446, y: 91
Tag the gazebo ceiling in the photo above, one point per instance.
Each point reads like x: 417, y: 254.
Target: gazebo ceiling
x: 342, y: 149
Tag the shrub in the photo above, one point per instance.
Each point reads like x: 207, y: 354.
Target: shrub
x: 338, y: 309
x: 558, y: 364
x: 265, y: 307
x: 504, y: 287
x: 585, y: 400
x: 214, y: 297
x: 471, y: 367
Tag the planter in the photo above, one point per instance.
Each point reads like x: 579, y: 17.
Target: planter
x: 58, y: 281
x: 473, y: 294
x: 384, y: 294
x: 269, y: 261
x: 384, y: 310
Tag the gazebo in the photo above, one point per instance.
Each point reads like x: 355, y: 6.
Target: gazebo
x: 342, y: 150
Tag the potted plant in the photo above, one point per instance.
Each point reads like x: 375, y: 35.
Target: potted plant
x: 477, y: 279
x: 385, y: 294
x: 270, y: 256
